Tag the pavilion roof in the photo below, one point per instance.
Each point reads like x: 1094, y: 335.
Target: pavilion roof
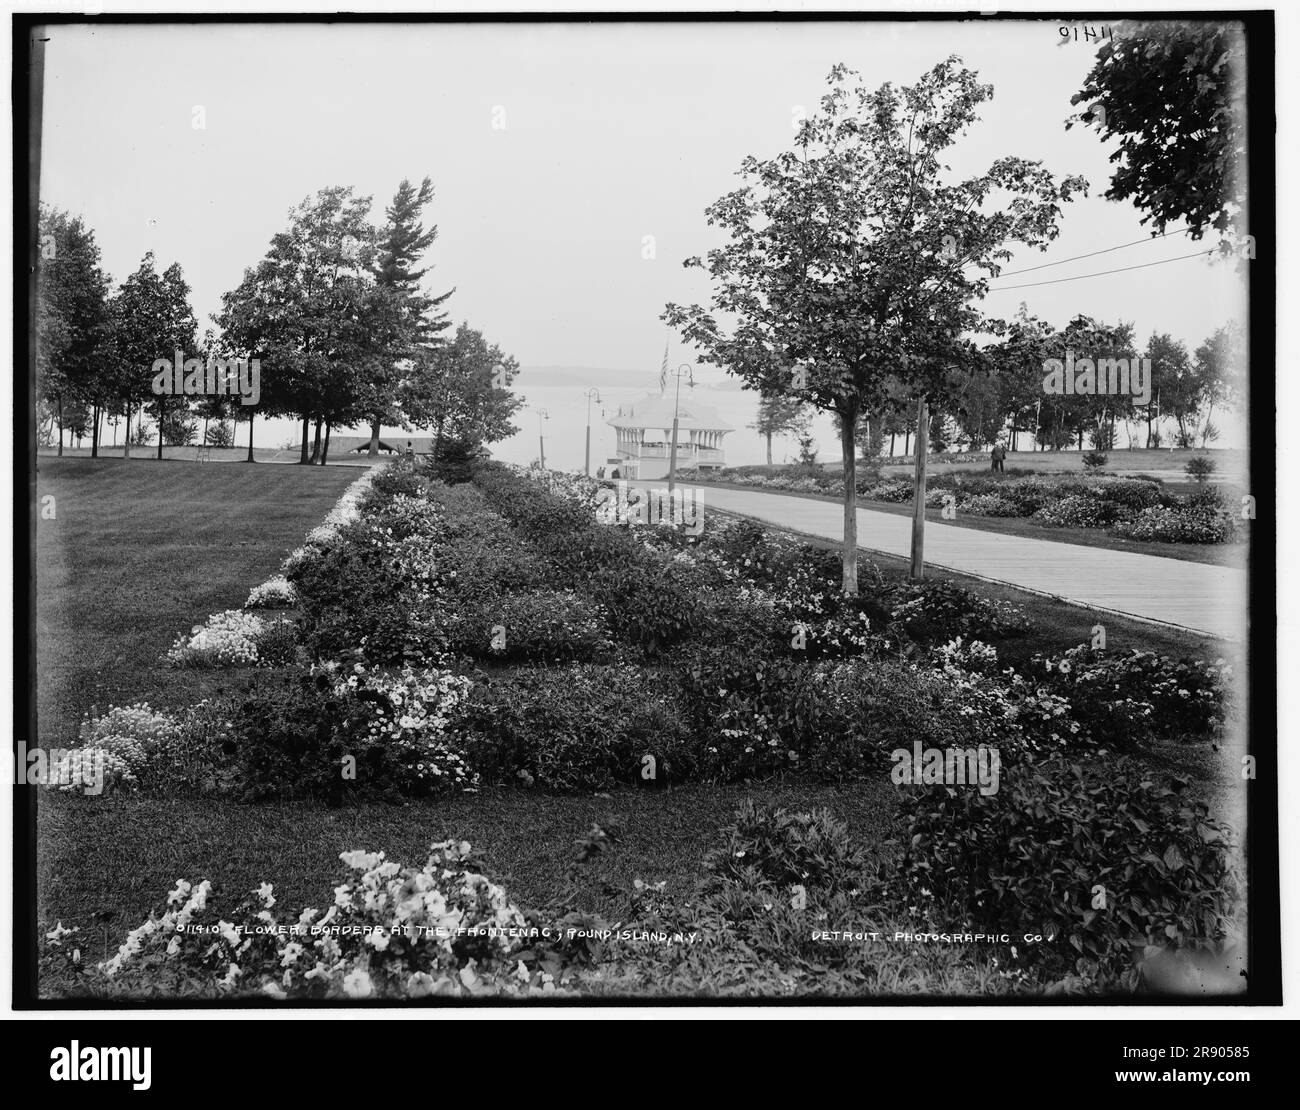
x: 655, y: 411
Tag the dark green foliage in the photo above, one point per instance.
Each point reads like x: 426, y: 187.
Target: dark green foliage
x: 365, y: 595
x: 1124, y: 699
x: 288, y: 741
x: 785, y: 849
x: 579, y: 727
x: 934, y: 611
x: 1038, y: 855
x: 541, y: 625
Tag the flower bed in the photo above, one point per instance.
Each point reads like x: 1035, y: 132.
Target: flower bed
x: 444, y: 929
x: 234, y: 639
x: 1133, y: 506
x: 274, y: 593
x: 760, y: 666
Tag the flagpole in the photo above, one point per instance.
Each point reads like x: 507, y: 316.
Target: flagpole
x: 672, y: 454
x: 589, y: 394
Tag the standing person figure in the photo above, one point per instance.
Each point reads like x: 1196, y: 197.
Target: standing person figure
x: 999, y: 454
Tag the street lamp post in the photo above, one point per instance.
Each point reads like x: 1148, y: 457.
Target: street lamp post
x: 541, y: 441
x: 586, y: 469
x: 684, y: 368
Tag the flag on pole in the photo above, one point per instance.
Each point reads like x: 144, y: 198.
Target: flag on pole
x: 663, y: 371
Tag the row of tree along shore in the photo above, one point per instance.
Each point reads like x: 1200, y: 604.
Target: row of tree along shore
x: 334, y: 315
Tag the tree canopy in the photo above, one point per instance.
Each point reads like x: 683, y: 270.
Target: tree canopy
x: 852, y: 266
x: 1172, y: 92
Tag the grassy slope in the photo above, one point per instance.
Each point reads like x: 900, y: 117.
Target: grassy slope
x: 139, y: 552
x: 144, y: 551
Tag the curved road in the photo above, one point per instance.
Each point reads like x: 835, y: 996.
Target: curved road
x: 1195, y: 596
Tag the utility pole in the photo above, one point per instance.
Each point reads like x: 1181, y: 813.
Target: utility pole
x: 918, y: 495
x: 586, y: 468
x: 677, y: 396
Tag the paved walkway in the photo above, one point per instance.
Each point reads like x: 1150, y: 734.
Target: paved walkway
x: 1194, y: 596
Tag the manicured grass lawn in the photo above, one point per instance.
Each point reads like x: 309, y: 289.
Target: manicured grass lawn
x: 139, y: 552
x: 108, y: 861
x: 237, y: 454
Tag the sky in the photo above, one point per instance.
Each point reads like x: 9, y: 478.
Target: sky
x: 555, y: 150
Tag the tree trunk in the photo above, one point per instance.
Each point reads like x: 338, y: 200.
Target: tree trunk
x: 849, y: 452
x: 161, y: 414
x: 892, y: 437
x: 126, y: 435
x: 302, y: 461
x: 437, y: 439
x: 907, y: 442
x: 315, y: 447
x: 918, y: 492
x: 374, y: 437
x: 1205, y: 433
x: 204, y: 441
x: 325, y: 450
x: 60, y: 406
x: 769, y: 448
x: 1148, y: 427
x: 250, y: 437
x: 94, y: 432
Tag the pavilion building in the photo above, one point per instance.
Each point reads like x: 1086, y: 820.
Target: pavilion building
x: 644, y: 438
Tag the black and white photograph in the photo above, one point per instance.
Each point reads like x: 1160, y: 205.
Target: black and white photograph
x: 645, y: 509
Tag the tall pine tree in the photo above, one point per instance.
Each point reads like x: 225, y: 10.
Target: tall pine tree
x: 411, y: 321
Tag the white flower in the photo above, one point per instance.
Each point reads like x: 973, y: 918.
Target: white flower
x: 357, y: 984
x: 419, y: 985
x: 264, y: 893
x: 58, y: 932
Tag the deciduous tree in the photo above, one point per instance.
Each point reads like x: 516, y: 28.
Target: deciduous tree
x: 851, y: 261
